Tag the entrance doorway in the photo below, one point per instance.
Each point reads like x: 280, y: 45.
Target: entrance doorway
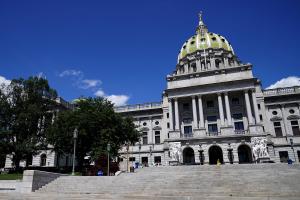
x: 245, y: 155
x: 188, y: 156
x: 215, y: 153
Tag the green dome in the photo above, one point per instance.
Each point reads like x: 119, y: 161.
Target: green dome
x: 204, y: 41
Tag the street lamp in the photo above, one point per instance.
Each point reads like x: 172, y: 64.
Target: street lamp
x: 201, y: 155
x: 140, y: 147
x: 230, y: 155
x: 75, y: 136
x: 292, y: 147
x: 108, y: 150
x: 150, y: 149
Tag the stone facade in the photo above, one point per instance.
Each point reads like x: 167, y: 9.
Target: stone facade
x: 214, y: 110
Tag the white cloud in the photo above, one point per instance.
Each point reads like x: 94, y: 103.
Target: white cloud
x: 99, y: 93
x: 118, y: 100
x: 89, y: 83
x: 70, y: 72
x: 286, y: 82
x: 41, y: 75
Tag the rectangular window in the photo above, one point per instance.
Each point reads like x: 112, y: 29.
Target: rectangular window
x: 168, y: 125
x: 258, y: 105
x: 187, y: 130
x: 277, y: 128
x: 235, y: 101
x: 157, y: 159
x: 210, y: 104
x: 157, y: 137
x: 131, y: 159
x: 295, y: 128
x: 239, y: 126
x: 284, y: 156
x: 145, y: 161
x: 212, y: 128
x: 237, y: 116
x: 211, y: 118
x: 145, y: 138
x: 298, y: 153
x: 260, y: 117
x: 168, y: 115
x: 186, y: 106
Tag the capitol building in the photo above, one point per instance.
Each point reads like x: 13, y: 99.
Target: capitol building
x: 213, y: 111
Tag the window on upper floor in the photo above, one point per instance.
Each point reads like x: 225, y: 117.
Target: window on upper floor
x: 168, y: 115
x: 186, y: 106
x: 277, y: 129
x: 258, y: 106
x: 157, y: 137
x: 237, y: 116
x: 168, y: 125
x: 145, y: 137
x: 239, y: 126
x: 295, y: 128
x: 144, y: 124
x: 131, y: 159
x: 235, y: 101
x: 209, y: 104
x: 298, y: 153
x: 261, y: 117
x: 212, y: 128
x: 291, y: 111
x: 211, y: 118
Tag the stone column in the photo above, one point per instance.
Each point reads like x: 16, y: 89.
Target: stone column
x: 186, y: 68
x: 248, y: 107
x: 228, y: 113
x: 198, y: 65
x: 195, y: 120
x: 255, y: 107
x: 212, y: 63
x: 176, y: 114
x: 171, y: 115
x: 221, y: 111
x: 201, y: 125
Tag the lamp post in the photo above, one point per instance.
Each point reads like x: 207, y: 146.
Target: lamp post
x: 230, y: 156
x: 150, y: 149
x: 201, y: 155
x: 140, y: 147
x: 292, y: 147
x: 108, y: 150
x: 127, y: 149
x: 75, y: 136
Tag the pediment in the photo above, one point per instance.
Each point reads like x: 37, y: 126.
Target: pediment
x: 291, y: 117
x: 276, y: 118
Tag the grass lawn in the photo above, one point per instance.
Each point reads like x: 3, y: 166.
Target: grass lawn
x: 11, y: 176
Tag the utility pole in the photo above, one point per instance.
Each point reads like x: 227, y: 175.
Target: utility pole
x: 75, y: 135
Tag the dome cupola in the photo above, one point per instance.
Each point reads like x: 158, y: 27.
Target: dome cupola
x: 204, y: 40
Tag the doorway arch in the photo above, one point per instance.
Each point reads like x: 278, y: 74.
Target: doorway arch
x: 215, y: 153
x: 245, y: 155
x: 188, y: 156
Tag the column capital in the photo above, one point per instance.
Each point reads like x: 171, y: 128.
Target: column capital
x: 219, y: 93
x: 193, y: 96
x: 201, y: 95
x: 225, y: 93
x: 246, y: 91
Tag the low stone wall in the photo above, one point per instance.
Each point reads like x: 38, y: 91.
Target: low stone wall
x: 10, y: 186
x: 34, y: 180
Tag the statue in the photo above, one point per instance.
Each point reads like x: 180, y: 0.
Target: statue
x: 259, y: 147
x: 175, y: 151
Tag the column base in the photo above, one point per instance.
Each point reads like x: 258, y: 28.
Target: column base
x: 256, y: 129
x: 174, y: 134
x: 227, y: 130
x: 199, y: 132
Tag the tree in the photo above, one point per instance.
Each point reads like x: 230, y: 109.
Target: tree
x: 25, y: 114
x: 97, y: 125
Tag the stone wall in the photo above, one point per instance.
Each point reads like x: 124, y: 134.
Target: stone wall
x: 34, y: 179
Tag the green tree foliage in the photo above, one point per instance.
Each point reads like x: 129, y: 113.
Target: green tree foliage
x: 97, y: 125
x: 25, y: 114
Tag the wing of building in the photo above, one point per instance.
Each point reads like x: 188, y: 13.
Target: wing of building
x: 215, y: 111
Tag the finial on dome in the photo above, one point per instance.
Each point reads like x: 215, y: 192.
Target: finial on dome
x: 201, y: 29
x: 200, y: 18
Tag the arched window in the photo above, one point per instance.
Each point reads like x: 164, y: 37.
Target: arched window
x: 43, y: 160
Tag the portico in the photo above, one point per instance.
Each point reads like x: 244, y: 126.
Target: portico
x: 192, y: 116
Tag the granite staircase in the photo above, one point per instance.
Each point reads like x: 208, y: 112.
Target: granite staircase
x: 257, y: 181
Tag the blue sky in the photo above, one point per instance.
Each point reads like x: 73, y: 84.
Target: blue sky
x: 125, y: 49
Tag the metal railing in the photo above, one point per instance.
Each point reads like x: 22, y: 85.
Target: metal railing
x: 213, y: 133
x: 144, y: 106
x: 187, y: 135
x: 241, y: 132
x: 282, y: 91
